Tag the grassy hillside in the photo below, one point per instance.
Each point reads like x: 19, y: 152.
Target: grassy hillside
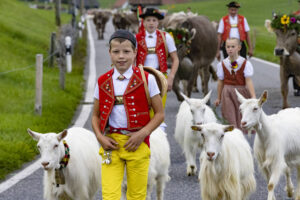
x: 25, y: 32
x: 256, y: 11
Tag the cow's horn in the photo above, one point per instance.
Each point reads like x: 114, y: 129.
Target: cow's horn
x: 193, y: 31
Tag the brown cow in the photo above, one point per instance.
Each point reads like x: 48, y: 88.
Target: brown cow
x: 100, y: 20
x: 203, y: 47
x: 128, y: 21
x: 186, y: 66
x: 289, y: 59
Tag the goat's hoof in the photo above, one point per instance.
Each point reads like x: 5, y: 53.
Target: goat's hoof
x: 290, y: 192
x: 191, y: 170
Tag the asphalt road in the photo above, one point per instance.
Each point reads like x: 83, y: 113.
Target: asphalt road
x: 180, y: 187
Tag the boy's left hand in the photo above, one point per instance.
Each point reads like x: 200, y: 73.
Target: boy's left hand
x: 135, y: 140
x: 170, y: 82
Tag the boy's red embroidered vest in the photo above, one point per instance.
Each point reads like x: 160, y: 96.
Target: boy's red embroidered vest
x: 240, y: 26
x: 159, y: 50
x: 134, y: 98
x: 234, y: 78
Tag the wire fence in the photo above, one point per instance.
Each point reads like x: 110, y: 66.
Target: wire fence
x: 30, y: 66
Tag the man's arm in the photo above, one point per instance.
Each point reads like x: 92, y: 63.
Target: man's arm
x: 250, y: 49
x: 174, y: 68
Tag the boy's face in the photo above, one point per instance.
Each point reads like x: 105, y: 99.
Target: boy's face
x: 232, y: 11
x: 122, y: 55
x: 232, y: 47
x: 151, y: 23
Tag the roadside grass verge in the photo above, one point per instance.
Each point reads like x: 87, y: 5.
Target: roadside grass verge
x: 26, y: 32
x: 256, y: 11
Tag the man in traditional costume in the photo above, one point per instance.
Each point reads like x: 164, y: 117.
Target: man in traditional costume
x: 234, y: 25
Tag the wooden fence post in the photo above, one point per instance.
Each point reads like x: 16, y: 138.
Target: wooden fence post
x: 52, y: 49
x: 38, y: 84
x: 57, y: 12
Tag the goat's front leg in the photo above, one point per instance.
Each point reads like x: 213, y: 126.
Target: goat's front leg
x: 298, y: 184
x: 190, y: 155
x: 274, y: 178
x: 289, y: 184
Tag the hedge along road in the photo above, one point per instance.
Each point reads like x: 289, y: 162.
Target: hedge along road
x: 27, y: 183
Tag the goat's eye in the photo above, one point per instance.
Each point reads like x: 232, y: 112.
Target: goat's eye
x: 255, y: 109
x: 222, y: 136
x: 55, y: 146
x: 192, y: 111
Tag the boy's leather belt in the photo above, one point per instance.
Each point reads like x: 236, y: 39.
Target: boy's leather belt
x: 122, y: 131
x: 119, y: 100
x: 151, y: 50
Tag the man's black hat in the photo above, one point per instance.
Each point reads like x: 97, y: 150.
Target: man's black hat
x: 123, y: 34
x: 152, y: 12
x: 233, y: 4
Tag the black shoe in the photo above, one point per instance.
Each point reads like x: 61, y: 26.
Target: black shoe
x: 297, y: 93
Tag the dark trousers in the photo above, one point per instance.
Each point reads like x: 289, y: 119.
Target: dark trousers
x: 243, y: 51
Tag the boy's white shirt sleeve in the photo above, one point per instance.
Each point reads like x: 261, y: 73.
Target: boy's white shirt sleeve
x: 152, y: 85
x: 248, y: 71
x: 96, y: 92
x: 170, y: 43
x: 220, y: 72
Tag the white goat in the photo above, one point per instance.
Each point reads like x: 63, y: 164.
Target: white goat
x: 83, y: 171
x: 277, y: 143
x: 159, y: 165
x: 227, y: 170
x: 192, y: 112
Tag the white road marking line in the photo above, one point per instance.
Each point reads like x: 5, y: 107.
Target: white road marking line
x: 80, y: 121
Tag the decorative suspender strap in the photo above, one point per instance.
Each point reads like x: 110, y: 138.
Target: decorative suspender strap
x: 165, y: 43
x: 145, y: 84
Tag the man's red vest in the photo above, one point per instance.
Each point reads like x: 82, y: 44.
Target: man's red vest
x: 159, y: 50
x: 240, y: 26
x: 234, y: 78
x: 134, y: 98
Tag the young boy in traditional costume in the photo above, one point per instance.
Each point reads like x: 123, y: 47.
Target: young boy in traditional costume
x: 234, y: 72
x: 153, y: 46
x: 121, y: 120
x: 234, y: 25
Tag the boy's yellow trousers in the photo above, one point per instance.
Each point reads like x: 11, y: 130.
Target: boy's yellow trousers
x: 137, y: 164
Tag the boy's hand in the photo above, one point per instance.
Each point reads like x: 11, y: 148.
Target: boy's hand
x: 217, y: 102
x: 108, y: 143
x: 135, y: 140
x: 170, y: 82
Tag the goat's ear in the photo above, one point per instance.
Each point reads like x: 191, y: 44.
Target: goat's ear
x: 263, y: 97
x: 186, y: 98
x: 207, y: 97
x: 61, y: 135
x: 196, y: 128
x: 240, y: 97
x: 36, y: 136
x: 228, y: 128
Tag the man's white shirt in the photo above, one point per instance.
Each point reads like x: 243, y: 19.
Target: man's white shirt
x: 234, y: 32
